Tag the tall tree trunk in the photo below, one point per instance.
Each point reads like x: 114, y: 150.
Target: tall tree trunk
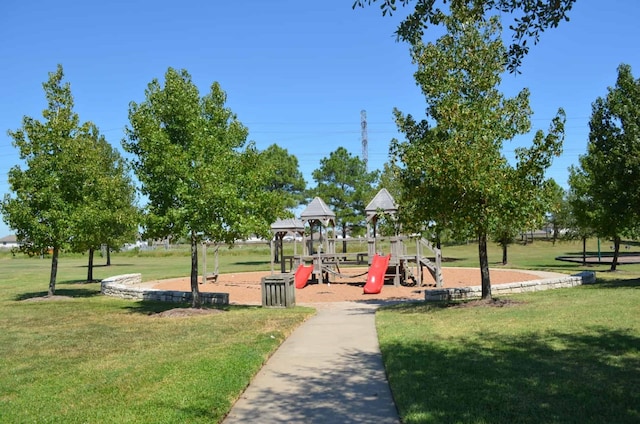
x: 504, y: 253
x: 344, y: 239
x: 195, y: 292
x: 108, y: 255
x: 616, y: 253
x: 484, y: 265
x: 90, y: 266
x: 584, y: 250
x: 54, y: 272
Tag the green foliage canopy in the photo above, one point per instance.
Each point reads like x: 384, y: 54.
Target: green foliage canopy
x: 108, y: 213
x: 530, y: 18
x: 201, y: 178
x: 49, y: 191
x: 608, y: 179
x: 194, y: 165
x: 344, y: 183
x: 284, y: 176
x: 454, y: 174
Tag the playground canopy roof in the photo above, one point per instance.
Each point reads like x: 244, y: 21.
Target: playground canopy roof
x: 383, y: 201
x: 289, y: 225
x: 318, y: 210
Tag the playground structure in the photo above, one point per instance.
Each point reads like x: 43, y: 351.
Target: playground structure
x: 210, y: 276
x: 319, y: 248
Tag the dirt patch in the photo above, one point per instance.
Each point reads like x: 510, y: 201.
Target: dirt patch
x: 245, y: 289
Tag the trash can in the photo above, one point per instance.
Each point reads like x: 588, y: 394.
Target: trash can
x: 278, y: 291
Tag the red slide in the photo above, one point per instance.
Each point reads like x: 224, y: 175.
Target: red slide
x: 375, y: 277
x: 302, y: 275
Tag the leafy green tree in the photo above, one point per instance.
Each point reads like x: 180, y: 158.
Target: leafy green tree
x: 454, y: 173
x: 48, y: 190
x: 386, y: 224
x: 202, y: 180
x: 529, y: 201
x: 345, y: 185
x: 530, y: 18
x: 582, y: 213
x: 512, y: 218
x: 609, y: 174
x: 108, y: 214
x: 558, y: 208
x: 285, y: 179
x: 505, y: 235
x: 389, y: 180
x: 533, y: 192
x: 284, y: 176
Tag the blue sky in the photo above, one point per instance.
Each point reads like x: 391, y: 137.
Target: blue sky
x: 296, y: 73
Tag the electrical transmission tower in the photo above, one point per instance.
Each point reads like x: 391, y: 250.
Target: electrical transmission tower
x: 365, y: 142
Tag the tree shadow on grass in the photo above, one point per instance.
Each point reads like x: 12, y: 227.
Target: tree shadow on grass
x: 447, y: 259
x: 421, y: 307
x: 60, y: 293
x: 532, y: 378
x: 106, y: 266
x: 150, y: 307
x: 617, y: 283
x: 604, y: 253
x: 82, y: 282
x: 252, y: 263
x: 561, y: 266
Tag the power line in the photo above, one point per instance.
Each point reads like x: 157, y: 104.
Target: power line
x: 365, y: 145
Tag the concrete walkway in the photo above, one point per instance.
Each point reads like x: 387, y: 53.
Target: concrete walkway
x: 328, y: 371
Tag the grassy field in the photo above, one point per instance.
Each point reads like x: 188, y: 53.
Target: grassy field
x: 93, y: 359
x: 560, y: 356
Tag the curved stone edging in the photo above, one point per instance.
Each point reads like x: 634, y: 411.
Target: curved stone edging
x: 475, y: 292
x: 127, y: 286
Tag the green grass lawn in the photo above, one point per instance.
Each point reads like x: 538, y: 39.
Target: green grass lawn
x: 93, y: 358
x: 153, y: 264
x: 561, y: 356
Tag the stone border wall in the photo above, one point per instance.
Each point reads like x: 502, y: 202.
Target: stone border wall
x: 475, y: 292
x: 127, y: 286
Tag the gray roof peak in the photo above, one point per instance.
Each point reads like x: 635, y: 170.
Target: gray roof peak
x: 382, y: 201
x: 318, y: 210
x: 287, y: 225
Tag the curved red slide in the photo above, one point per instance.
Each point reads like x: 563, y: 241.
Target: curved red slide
x: 302, y: 275
x: 375, y: 277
